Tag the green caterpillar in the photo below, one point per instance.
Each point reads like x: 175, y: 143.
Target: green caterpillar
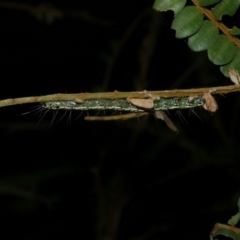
x: 124, y: 105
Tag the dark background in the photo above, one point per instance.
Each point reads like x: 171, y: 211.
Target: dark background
x: 135, y: 179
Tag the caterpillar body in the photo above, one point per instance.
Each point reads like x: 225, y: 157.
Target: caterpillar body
x: 124, y: 105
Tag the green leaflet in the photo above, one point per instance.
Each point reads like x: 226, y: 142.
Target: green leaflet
x: 187, y: 22
x: 206, y: 37
x: 228, y: 233
x: 225, y: 7
x: 235, y: 31
x: 165, y: 5
x: 222, y: 52
x: 207, y: 2
x: 234, y: 64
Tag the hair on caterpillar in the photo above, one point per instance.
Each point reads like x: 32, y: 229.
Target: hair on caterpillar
x: 98, y: 106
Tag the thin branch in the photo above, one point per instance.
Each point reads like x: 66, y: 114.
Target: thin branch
x: 114, y: 118
x: 117, y: 95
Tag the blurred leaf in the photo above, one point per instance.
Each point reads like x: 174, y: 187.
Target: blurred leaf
x: 239, y: 204
x: 234, y: 219
x: 235, y: 31
x: 225, y: 230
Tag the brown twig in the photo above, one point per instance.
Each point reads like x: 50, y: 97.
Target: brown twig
x: 117, y: 95
x: 114, y: 118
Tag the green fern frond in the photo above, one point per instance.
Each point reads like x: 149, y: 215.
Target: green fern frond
x: 204, y: 29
